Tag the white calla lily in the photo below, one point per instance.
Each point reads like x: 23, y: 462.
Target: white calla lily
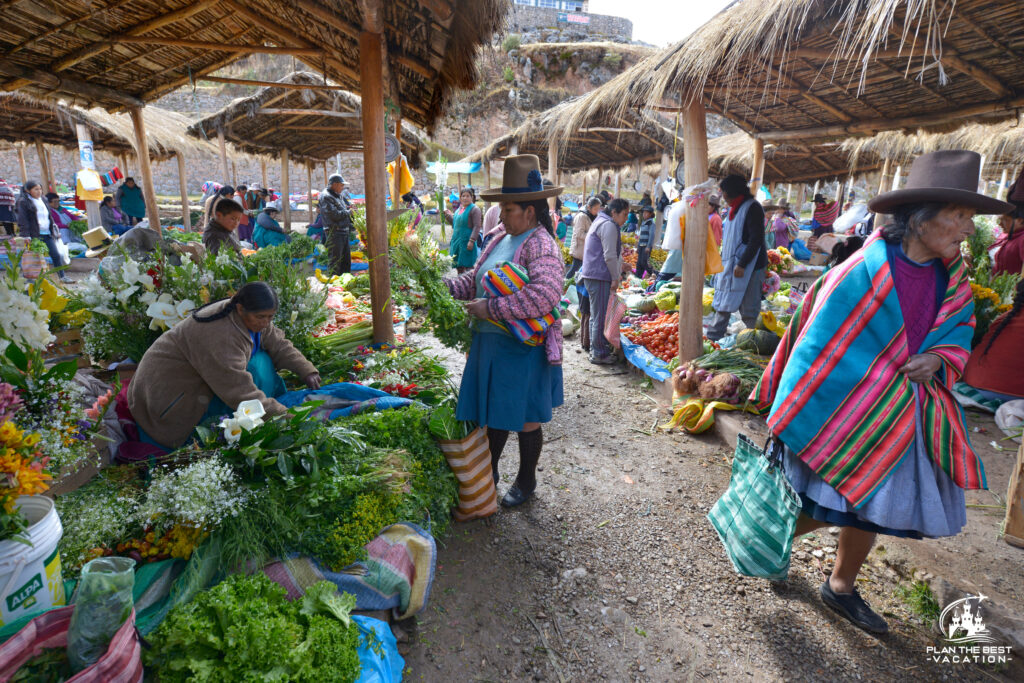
x: 252, y: 409
x: 232, y: 430
x: 126, y: 294
x: 248, y: 423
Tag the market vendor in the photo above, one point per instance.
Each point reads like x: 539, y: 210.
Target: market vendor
x: 825, y: 214
x: 644, y: 239
x: 508, y: 385
x: 602, y: 273
x: 738, y: 286
x: 995, y: 363
x: 859, y: 390
x: 268, y: 232
x: 226, y: 352
x: 220, y: 231
x: 1009, y: 249
x: 466, y: 223
x: 129, y: 201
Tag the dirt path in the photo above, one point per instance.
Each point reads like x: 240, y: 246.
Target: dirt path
x: 613, y: 573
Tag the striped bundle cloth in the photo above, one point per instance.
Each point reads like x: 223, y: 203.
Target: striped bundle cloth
x: 509, y: 278
x: 827, y: 213
x: 834, y: 390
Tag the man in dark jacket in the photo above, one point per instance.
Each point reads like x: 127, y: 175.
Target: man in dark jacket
x: 644, y: 238
x: 337, y: 225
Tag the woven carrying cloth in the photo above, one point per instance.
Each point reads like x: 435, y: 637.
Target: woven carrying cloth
x: 509, y: 278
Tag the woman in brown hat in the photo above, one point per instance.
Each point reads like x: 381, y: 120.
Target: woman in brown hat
x: 508, y: 385
x: 859, y: 390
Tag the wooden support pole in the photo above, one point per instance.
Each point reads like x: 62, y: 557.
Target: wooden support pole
x: 1001, y: 194
x: 271, y: 84
x: 801, y: 198
x: 186, y: 218
x: 396, y: 178
x: 223, y: 156
x: 234, y: 174
x: 691, y: 307
x: 1013, y: 524
x: 896, y: 177
x: 584, y: 187
x: 263, y: 172
x: 487, y: 173
x: 44, y: 173
x: 21, y: 164
x: 87, y: 160
x: 326, y: 175
x: 122, y: 159
x: 371, y: 69
x: 309, y: 191
x: 47, y: 154
x: 817, y: 184
x: 883, y: 176
x: 618, y: 183
x: 637, y: 166
x: 286, y: 205
x: 553, y: 162
x: 789, y: 191
x: 142, y: 152
x: 757, y: 171
x: 659, y: 216
x: 600, y: 180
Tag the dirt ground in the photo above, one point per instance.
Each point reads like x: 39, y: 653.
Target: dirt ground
x: 612, y: 572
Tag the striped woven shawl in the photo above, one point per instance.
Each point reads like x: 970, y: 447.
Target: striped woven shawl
x: 834, y: 390
x: 827, y: 213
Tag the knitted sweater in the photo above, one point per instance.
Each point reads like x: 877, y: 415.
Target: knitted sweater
x: 542, y: 258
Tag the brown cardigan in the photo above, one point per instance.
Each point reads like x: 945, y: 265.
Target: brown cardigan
x: 193, y: 361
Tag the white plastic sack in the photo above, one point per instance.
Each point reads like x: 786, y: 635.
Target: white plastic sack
x: 90, y: 180
x: 1010, y: 417
x: 856, y: 214
x: 673, y: 237
x: 62, y: 249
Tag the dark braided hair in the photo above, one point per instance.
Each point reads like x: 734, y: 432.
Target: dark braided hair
x: 253, y: 296
x: 1002, y: 322
x: 540, y: 207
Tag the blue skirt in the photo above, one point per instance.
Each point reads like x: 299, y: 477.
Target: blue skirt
x: 507, y: 383
x: 918, y: 500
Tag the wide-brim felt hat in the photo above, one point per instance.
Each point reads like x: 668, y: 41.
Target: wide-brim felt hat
x: 522, y: 182
x: 948, y: 177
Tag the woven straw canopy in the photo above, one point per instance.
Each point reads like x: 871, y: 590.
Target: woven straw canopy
x: 606, y: 139
x: 816, y: 70
x: 114, y: 53
x: 310, y: 124
x: 786, y: 163
x: 27, y: 119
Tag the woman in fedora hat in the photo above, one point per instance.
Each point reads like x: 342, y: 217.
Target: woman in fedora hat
x: 509, y: 386
x: 859, y: 390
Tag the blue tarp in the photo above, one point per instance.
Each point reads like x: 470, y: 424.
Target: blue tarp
x: 457, y: 167
x: 385, y: 667
x: 361, y: 399
x: 637, y: 355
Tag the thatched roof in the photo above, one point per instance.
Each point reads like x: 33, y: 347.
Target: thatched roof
x: 786, y: 163
x: 1002, y: 144
x: 310, y: 124
x: 607, y: 140
x: 114, y: 53
x: 814, y: 70
x: 26, y: 119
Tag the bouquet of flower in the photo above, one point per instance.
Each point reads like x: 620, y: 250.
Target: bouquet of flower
x: 22, y: 471
x: 780, y: 260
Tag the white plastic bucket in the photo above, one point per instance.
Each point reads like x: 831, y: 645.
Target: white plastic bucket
x: 30, y: 576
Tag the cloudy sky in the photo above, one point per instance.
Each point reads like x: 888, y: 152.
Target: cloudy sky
x: 661, y: 22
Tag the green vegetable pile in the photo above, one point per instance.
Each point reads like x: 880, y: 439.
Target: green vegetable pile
x: 244, y: 629
x: 446, y: 316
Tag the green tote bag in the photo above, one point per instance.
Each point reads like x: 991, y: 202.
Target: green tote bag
x: 756, y: 516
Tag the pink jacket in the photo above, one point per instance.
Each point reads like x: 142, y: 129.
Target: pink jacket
x: 542, y: 258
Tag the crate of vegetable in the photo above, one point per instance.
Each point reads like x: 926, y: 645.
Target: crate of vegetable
x: 660, y: 335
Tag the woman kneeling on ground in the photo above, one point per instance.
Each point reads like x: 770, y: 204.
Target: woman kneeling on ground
x: 509, y: 386
x: 860, y: 387
x: 225, y: 353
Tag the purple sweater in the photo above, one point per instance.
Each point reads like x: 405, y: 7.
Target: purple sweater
x: 916, y: 287
x: 542, y: 258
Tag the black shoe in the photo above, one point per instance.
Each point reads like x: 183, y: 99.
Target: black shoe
x: 854, y: 608
x: 516, y: 496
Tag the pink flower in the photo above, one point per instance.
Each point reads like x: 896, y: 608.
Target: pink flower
x: 103, y: 400
x: 92, y: 413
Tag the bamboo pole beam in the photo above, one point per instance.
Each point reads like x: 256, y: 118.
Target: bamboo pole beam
x: 186, y: 218
x: 286, y: 205
x: 757, y: 168
x: 270, y: 111
x: 691, y: 307
x: 371, y: 67
x: 618, y: 183
x: 896, y: 177
x: 814, y: 194
x: 234, y: 174
x: 271, y: 84
x: 326, y: 175
x: 1001, y: 194
x: 219, y: 47
x: 553, y: 161
x: 223, y: 155
x: 309, y: 192
x: 21, y: 164
x: 263, y: 172
x: 51, y: 81
x: 163, y: 88
x: 396, y: 178
x: 44, y: 172
x: 884, y: 176
x: 142, y: 152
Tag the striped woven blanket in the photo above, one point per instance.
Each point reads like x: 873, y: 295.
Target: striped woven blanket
x: 509, y: 278
x: 827, y: 213
x: 834, y: 390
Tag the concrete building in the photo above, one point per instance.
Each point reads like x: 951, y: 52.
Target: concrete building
x: 566, y: 20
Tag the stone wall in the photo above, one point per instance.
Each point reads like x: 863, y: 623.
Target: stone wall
x: 526, y: 19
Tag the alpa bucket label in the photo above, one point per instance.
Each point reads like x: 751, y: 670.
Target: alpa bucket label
x: 27, y: 596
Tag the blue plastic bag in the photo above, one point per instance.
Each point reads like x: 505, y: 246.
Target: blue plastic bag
x: 378, y: 652
x: 799, y: 250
